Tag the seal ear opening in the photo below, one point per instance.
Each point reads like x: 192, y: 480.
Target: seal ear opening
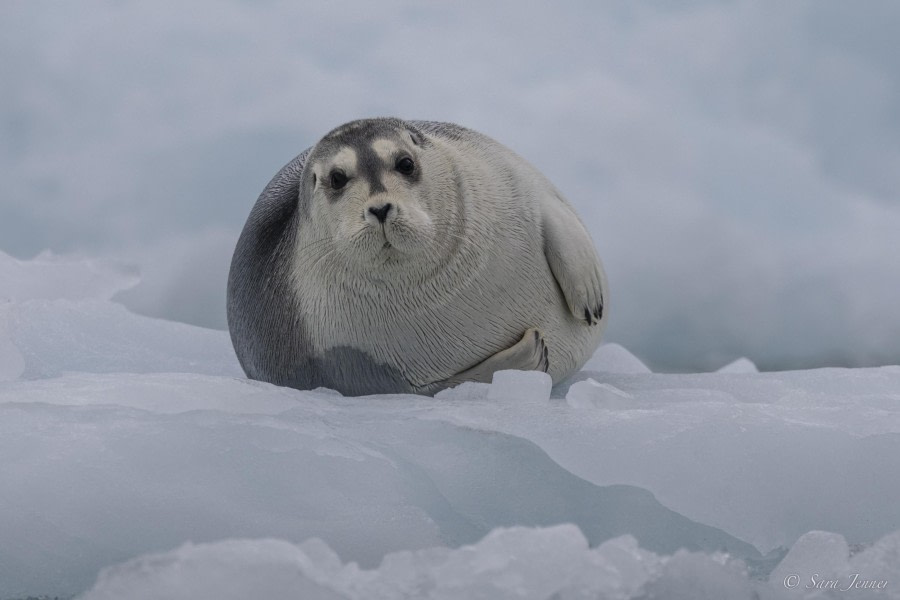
x: 308, y: 181
x: 415, y: 137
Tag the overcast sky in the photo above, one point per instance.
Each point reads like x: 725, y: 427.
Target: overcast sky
x: 737, y: 163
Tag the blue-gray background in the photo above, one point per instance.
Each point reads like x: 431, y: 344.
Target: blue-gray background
x: 737, y: 163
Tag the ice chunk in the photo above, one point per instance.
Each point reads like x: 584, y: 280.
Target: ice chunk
x: 591, y: 394
x: 98, y: 468
x: 820, y: 565
x: 878, y: 567
x: 88, y: 484
x: 52, y: 277
x: 763, y: 440
x: 520, y: 563
x: 12, y: 363
x: 696, y: 576
x: 817, y: 555
x: 525, y: 386
x: 98, y: 336
x: 237, y: 569
x: 613, y: 358
x: 741, y: 365
x: 58, y: 318
x: 163, y: 393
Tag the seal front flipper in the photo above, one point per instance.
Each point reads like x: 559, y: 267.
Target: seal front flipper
x: 573, y: 260
x: 528, y: 354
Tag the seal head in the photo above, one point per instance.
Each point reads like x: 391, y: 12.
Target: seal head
x: 371, y: 207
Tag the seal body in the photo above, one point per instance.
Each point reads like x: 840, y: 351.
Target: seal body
x: 409, y: 256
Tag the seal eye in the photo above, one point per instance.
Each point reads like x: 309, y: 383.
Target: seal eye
x: 338, y: 179
x: 406, y: 165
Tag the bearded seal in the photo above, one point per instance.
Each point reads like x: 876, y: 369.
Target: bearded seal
x: 407, y: 257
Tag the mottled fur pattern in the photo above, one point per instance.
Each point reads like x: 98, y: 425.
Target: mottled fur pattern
x: 478, y: 264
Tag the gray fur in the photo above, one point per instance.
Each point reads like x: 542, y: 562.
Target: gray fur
x: 480, y: 250
x: 267, y: 332
x: 268, y: 336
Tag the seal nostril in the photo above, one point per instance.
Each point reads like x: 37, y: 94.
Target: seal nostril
x: 381, y: 212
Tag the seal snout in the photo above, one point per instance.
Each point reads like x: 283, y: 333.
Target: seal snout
x: 381, y: 212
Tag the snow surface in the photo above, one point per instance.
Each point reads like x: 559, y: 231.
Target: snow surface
x: 136, y: 442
